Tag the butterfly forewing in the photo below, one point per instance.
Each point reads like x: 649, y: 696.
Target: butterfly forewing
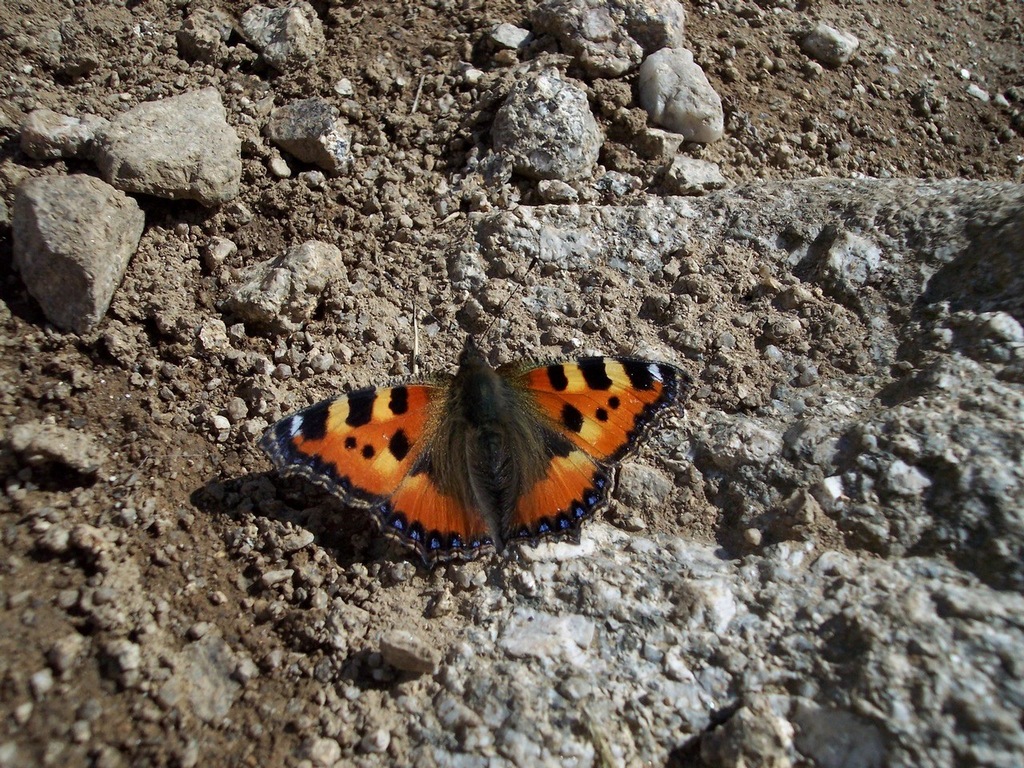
x: 359, y: 445
x: 604, y: 404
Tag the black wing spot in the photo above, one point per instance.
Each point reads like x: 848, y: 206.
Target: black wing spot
x: 595, y: 374
x: 399, y: 403
x: 639, y: 374
x: 572, y: 418
x: 399, y: 445
x: 314, y: 421
x: 601, y: 414
x: 614, y: 402
x: 368, y: 451
x: 360, y: 407
x: 350, y: 442
x: 557, y: 377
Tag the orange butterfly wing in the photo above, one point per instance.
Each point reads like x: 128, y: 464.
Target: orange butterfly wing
x: 597, y: 409
x: 438, y: 526
x: 371, y: 448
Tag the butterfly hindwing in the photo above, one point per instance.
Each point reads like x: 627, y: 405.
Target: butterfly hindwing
x: 359, y: 446
x: 437, y: 525
x: 573, y: 487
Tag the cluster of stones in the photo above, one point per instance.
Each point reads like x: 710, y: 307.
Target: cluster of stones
x: 74, y: 236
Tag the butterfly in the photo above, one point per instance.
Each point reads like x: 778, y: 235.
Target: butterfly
x: 483, y: 458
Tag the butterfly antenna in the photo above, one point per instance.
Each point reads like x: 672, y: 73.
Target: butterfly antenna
x: 512, y: 294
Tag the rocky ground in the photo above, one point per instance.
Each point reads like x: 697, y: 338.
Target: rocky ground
x: 817, y: 561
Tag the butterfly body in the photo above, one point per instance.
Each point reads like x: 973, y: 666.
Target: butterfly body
x: 489, y: 456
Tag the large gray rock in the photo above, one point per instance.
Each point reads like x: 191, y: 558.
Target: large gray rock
x: 830, y: 46
x: 701, y: 649
x: 510, y: 37
x: 925, y: 461
x: 203, y: 36
x: 409, y: 652
x: 73, y: 238
x: 177, y: 148
x: 692, y: 176
x: 203, y: 682
x: 677, y: 95
x: 547, y: 129
x: 47, y: 444
x: 310, y: 130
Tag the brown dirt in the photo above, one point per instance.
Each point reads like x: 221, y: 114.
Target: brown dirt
x: 179, y: 500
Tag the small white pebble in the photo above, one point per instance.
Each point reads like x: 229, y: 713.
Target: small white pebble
x: 23, y: 712
x: 376, y: 741
x: 270, y: 578
x: 279, y: 167
x: 344, y: 87
x: 41, y: 683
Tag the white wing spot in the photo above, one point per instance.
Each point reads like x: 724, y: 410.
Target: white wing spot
x: 655, y: 370
x: 295, y: 425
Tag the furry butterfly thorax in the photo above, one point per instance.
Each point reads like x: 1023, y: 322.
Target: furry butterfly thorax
x: 471, y: 462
